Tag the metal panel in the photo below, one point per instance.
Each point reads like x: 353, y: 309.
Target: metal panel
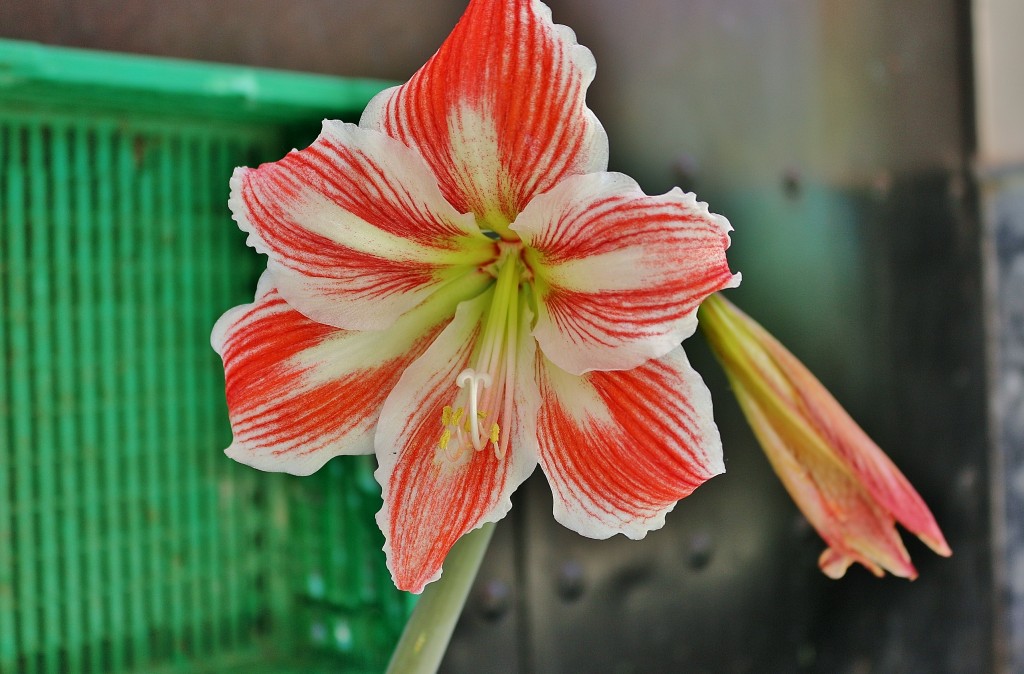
x: 364, y: 38
x: 1000, y: 99
x: 1005, y: 257
x: 835, y: 137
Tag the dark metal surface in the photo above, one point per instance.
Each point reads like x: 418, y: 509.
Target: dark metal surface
x: 1000, y: 161
x: 835, y: 136
x: 1006, y: 212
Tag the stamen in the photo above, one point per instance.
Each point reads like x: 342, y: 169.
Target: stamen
x: 499, y: 452
x: 486, y: 389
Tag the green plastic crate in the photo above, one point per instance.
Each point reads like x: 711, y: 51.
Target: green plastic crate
x: 128, y: 541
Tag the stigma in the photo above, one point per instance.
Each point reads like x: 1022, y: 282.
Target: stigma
x: 465, y: 426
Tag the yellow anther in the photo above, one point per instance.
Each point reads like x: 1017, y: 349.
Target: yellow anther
x: 457, y: 416
x: 495, y: 431
x: 481, y: 415
x: 446, y: 415
x: 445, y: 439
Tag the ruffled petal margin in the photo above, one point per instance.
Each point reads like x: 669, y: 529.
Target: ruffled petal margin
x: 619, y: 274
x: 301, y: 392
x: 430, y: 498
x: 355, y: 228
x: 499, y: 111
x: 620, y: 448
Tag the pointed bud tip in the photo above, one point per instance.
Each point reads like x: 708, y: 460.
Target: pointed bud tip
x: 834, y: 563
x: 937, y: 544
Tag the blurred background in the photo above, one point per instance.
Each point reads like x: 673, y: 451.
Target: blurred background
x: 869, y: 155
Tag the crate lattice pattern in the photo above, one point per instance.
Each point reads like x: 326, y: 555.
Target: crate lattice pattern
x: 128, y: 541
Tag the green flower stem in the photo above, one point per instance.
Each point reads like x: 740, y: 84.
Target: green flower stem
x: 432, y: 622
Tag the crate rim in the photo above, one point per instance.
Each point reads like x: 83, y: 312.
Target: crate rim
x: 100, y: 77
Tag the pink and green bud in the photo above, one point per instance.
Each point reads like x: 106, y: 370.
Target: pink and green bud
x: 848, y: 489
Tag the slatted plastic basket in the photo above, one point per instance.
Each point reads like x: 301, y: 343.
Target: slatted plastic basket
x: 128, y: 541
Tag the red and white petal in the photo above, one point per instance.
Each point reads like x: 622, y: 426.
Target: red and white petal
x: 432, y: 498
x: 301, y: 392
x: 620, y: 274
x: 355, y: 228
x: 499, y: 111
x: 621, y: 448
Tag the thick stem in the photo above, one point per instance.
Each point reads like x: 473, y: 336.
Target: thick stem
x: 432, y: 622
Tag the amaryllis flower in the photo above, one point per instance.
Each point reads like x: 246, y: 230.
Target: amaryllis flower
x: 848, y: 489
x: 459, y: 285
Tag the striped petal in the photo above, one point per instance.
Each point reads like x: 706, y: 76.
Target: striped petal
x: 301, y: 392
x: 355, y: 227
x: 432, y: 497
x: 621, y: 448
x: 499, y: 111
x: 620, y: 274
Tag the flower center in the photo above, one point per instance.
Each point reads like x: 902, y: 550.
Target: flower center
x: 479, y: 416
